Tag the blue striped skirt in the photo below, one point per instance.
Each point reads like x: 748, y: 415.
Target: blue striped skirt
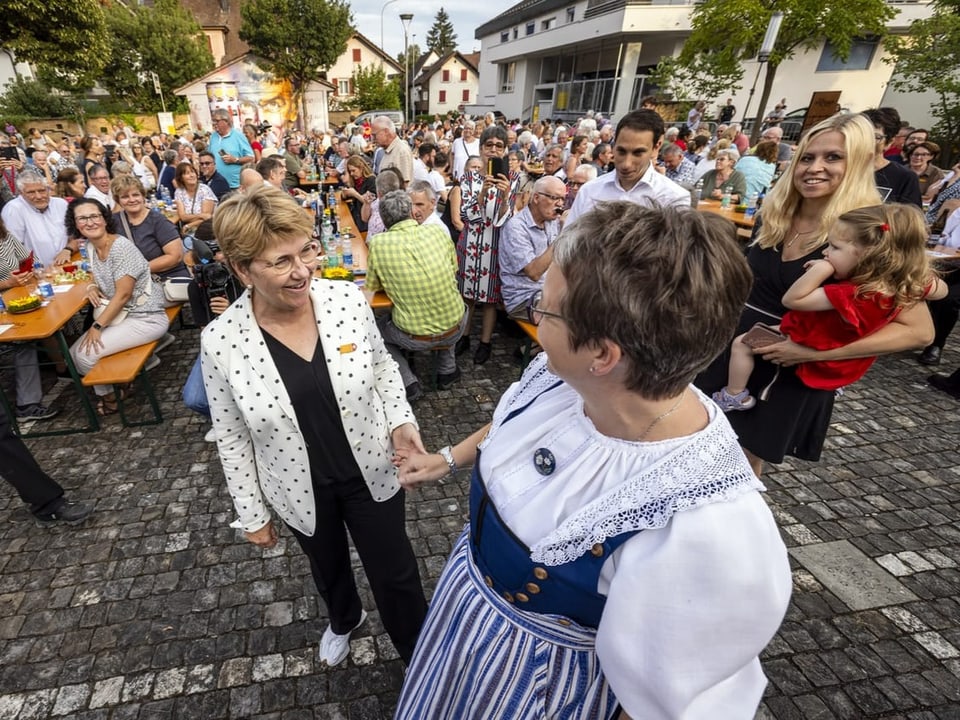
x: 480, y: 657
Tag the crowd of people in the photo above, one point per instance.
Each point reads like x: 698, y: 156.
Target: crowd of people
x: 617, y: 484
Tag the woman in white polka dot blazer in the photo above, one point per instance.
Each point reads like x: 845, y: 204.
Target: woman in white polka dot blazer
x: 308, y: 408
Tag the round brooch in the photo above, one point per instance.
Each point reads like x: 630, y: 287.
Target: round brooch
x: 544, y: 461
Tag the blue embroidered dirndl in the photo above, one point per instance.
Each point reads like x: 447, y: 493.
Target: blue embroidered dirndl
x: 506, y: 637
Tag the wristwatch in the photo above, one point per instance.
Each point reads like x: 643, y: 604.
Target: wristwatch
x: 447, y: 454
x: 97, y: 326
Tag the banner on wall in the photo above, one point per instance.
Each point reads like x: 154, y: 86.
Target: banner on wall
x: 167, y: 123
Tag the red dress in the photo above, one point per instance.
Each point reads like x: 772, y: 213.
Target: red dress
x: 850, y: 319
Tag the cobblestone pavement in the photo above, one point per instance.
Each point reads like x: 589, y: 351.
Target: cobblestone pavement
x: 155, y: 608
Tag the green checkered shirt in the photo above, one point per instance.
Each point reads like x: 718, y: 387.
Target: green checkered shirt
x: 417, y: 267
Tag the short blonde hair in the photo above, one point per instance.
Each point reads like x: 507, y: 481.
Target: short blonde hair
x: 857, y: 187
x: 246, y: 224
x: 125, y: 183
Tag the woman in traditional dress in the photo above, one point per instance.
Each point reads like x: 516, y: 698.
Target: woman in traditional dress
x: 487, y: 203
x: 619, y: 560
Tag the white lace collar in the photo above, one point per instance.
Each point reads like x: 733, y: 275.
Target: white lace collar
x: 710, y: 467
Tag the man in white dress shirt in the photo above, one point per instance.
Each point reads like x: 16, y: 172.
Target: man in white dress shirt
x: 636, y: 143
x: 100, y: 186
x: 36, y: 220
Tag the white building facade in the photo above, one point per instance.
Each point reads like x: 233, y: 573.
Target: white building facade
x: 558, y: 59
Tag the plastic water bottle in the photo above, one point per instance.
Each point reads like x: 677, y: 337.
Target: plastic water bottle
x: 165, y: 195
x: 83, y: 250
x: 752, y: 206
x: 332, y: 201
x: 38, y: 269
x: 725, y: 198
x: 696, y: 193
x: 3, y: 307
x: 347, y: 253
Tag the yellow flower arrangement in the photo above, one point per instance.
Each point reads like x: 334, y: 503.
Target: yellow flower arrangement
x: 337, y: 273
x: 19, y: 305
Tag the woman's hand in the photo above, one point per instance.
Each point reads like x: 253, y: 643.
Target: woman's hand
x: 21, y: 278
x: 420, y: 468
x: 90, y: 343
x: 786, y: 353
x: 265, y: 537
x: 94, y: 295
x: 406, y: 440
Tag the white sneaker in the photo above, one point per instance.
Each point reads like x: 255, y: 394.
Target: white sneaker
x: 167, y: 340
x: 335, y: 648
x: 211, y: 436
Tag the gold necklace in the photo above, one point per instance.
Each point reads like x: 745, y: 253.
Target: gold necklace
x: 797, y: 235
x: 661, y: 416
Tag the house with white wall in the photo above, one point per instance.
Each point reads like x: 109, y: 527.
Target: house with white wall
x: 560, y: 58
x: 360, y: 52
x: 446, y: 84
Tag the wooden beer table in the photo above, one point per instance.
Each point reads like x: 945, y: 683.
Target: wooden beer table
x: 48, y: 321
x: 737, y: 218
x: 358, y: 245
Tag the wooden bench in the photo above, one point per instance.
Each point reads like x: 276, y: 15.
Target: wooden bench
x: 530, y: 330
x: 125, y: 367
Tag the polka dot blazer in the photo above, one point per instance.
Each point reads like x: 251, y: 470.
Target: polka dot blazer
x: 261, y: 447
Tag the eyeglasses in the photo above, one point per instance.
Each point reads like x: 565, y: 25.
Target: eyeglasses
x: 206, y: 162
x: 88, y: 219
x: 550, y: 196
x: 494, y: 145
x: 307, y: 255
x: 574, y: 183
x: 922, y: 155
x: 535, y: 313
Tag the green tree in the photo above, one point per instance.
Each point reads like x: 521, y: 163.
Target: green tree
x: 927, y: 59
x: 371, y: 89
x: 24, y: 98
x: 440, y: 37
x: 65, y: 39
x: 719, y: 45
x: 143, y: 37
x: 296, y: 39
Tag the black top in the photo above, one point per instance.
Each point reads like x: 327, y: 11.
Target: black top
x: 315, y: 405
x: 218, y: 183
x: 897, y: 183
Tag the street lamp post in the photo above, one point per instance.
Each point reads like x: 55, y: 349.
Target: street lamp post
x: 405, y: 18
x: 766, y: 49
x: 388, y: 2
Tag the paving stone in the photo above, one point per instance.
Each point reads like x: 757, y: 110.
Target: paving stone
x: 71, y: 698
x: 106, y: 692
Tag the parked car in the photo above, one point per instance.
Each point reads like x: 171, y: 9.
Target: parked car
x: 369, y: 115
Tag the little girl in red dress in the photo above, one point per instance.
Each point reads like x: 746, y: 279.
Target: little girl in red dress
x: 878, y: 257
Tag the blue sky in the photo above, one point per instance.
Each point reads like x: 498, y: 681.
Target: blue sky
x: 466, y: 17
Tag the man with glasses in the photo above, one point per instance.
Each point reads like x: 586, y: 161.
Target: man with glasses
x: 581, y: 176
x: 229, y: 147
x: 210, y: 177
x: 416, y: 266
x: 396, y: 152
x: 526, y: 245
x: 676, y: 166
x: 99, y: 189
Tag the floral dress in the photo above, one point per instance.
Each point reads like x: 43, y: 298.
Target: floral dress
x: 478, y: 264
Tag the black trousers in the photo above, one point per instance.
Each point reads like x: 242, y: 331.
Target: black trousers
x: 946, y: 311
x: 380, y: 537
x: 18, y: 467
